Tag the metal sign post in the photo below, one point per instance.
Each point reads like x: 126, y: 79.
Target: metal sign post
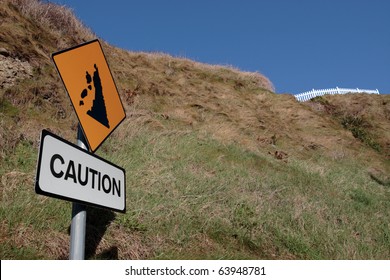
x: 68, y: 171
x: 79, y: 216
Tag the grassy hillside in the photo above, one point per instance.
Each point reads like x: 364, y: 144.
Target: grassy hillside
x: 218, y: 166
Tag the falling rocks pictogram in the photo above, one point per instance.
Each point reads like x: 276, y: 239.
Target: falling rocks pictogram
x: 98, y: 110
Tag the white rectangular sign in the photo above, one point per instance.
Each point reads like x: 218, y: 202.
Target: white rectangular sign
x: 68, y: 172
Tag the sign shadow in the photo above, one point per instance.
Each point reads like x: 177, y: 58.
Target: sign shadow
x: 98, y: 221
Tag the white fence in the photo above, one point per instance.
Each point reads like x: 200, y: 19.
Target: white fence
x: 304, y: 96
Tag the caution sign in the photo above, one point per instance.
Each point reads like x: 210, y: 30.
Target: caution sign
x: 66, y: 171
x: 92, y: 90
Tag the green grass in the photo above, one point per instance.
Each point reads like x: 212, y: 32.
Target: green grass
x: 359, y: 130
x: 181, y: 187
x: 190, y: 196
x: 7, y: 109
x: 203, y: 199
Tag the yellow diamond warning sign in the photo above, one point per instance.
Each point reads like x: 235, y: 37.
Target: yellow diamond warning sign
x: 92, y: 90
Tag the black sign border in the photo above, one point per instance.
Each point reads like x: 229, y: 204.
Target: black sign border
x: 38, y: 189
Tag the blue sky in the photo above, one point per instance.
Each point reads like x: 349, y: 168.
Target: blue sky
x: 298, y: 45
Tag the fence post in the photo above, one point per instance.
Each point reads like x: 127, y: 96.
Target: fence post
x: 314, y: 93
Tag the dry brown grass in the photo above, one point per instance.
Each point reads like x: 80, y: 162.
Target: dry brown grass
x: 130, y: 245
x: 10, y: 181
x: 54, y: 246
x: 54, y: 17
x: 254, y: 79
x: 191, y: 94
x: 372, y: 111
x: 231, y: 106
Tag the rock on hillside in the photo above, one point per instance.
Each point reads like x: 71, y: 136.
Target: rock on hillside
x: 12, y: 69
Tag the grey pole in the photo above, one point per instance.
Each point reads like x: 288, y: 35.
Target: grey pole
x: 79, y: 216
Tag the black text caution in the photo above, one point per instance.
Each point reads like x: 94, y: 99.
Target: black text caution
x: 68, y: 172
